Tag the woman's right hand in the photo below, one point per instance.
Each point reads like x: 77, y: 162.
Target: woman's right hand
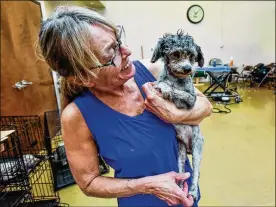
x: 165, y: 187
x: 168, y: 112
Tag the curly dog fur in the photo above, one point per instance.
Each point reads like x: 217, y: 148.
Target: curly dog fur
x: 180, y: 53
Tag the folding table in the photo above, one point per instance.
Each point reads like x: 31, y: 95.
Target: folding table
x: 219, y: 81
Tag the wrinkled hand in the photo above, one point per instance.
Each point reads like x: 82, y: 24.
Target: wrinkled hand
x: 168, y: 112
x: 165, y: 187
x: 164, y: 109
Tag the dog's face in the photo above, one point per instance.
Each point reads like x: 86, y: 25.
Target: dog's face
x: 179, y: 52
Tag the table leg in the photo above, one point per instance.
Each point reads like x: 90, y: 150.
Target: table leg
x: 216, y: 82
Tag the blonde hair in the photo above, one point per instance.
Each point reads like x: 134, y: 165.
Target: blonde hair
x: 65, y: 43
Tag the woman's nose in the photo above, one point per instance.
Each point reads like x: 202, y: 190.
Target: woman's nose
x: 125, y: 51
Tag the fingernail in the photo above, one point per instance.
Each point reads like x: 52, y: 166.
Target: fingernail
x: 188, y: 174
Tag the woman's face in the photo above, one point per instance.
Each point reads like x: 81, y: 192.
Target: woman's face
x: 110, y: 77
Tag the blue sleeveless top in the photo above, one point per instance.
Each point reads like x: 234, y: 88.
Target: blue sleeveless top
x: 134, y: 147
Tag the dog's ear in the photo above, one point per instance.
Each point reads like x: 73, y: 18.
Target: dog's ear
x: 200, y: 58
x: 156, y: 53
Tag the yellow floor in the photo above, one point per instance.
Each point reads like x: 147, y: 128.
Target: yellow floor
x: 238, y: 166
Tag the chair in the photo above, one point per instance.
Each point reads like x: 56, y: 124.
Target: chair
x: 270, y: 77
x: 257, y: 75
x: 245, y: 75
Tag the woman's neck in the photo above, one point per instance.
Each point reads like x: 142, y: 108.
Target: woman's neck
x: 119, y: 91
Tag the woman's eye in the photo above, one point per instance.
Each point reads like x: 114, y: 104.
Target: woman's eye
x: 111, y: 50
x: 113, y: 47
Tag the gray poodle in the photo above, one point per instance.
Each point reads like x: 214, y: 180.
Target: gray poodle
x: 179, y: 53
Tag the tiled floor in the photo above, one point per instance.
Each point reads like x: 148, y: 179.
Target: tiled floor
x: 238, y: 166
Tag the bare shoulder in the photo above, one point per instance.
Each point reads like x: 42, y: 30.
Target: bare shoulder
x: 70, y: 113
x: 72, y: 119
x: 155, y: 68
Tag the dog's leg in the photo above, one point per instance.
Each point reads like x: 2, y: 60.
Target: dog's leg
x: 182, y: 98
x: 181, y: 160
x: 183, y: 141
x: 197, y: 146
x: 165, y: 89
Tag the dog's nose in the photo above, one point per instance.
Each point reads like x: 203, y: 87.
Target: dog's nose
x: 187, y: 68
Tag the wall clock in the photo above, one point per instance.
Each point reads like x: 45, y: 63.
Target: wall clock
x: 195, y: 14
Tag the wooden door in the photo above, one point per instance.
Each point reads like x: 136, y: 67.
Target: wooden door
x: 20, y: 23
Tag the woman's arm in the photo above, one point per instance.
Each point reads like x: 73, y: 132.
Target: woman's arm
x: 168, y: 112
x: 82, y: 156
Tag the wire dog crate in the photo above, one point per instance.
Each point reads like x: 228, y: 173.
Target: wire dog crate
x: 30, y: 132
x: 14, y: 186
x: 55, y: 148
x: 36, y: 187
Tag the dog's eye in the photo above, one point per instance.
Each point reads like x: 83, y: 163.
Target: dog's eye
x: 192, y: 58
x: 176, y: 55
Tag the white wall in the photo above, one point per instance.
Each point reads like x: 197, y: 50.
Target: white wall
x: 246, y: 30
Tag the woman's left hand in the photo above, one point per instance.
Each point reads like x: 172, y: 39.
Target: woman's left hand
x: 168, y: 112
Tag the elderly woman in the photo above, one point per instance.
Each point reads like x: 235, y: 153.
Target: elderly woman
x: 110, y: 108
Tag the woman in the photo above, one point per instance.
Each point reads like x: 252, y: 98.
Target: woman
x: 111, y: 108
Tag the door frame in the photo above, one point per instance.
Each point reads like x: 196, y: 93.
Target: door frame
x: 55, y: 76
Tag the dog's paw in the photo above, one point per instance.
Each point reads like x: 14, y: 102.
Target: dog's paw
x: 167, y: 95
x: 159, y: 91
